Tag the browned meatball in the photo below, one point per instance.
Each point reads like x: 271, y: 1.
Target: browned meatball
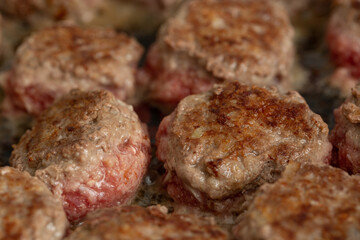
x: 210, y: 41
x: 134, y: 222
x: 343, y: 34
x: 35, y: 11
x: 136, y: 16
x: 89, y: 148
x: 28, y: 209
x: 221, y: 145
x: 308, y: 202
x: 345, y: 135
x: 55, y: 60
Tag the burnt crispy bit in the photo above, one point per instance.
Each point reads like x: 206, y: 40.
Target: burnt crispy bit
x: 307, y: 202
x: 225, y: 143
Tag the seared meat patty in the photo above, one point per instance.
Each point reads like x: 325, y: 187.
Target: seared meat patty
x: 28, y: 209
x: 221, y: 145
x: 343, y: 36
x: 89, y: 148
x: 207, y: 42
x: 55, y: 60
x: 135, y: 222
x: 44, y: 12
x: 308, y: 202
x: 345, y: 135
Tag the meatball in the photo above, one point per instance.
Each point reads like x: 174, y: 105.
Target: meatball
x: 345, y: 135
x: 308, y: 202
x: 343, y: 36
x: 55, y: 60
x: 135, y: 16
x: 134, y: 222
x: 46, y: 12
x: 207, y: 42
x: 89, y: 148
x: 221, y: 145
x: 28, y: 209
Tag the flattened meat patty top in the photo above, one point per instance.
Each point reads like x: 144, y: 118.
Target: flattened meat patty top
x: 55, y: 60
x: 207, y: 42
x: 153, y: 223
x: 235, y: 39
x: 308, y: 202
x: 89, y: 148
x: 235, y: 137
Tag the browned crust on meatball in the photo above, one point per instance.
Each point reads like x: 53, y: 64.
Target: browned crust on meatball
x: 236, y: 137
x: 136, y: 222
x: 345, y: 135
x: 55, y: 60
x: 45, y: 12
x: 234, y: 40
x: 28, y: 209
x: 89, y: 148
x: 208, y: 42
x: 308, y: 202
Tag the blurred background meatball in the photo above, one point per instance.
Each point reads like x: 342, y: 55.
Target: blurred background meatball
x: 153, y: 223
x: 28, y: 208
x: 219, y: 146
x: 343, y: 34
x: 55, y: 60
x: 207, y: 42
x: 136, y: 16
x: 44, y: 12
x: 89, y: 148
x: 345, y: 136
x: 308, y: 202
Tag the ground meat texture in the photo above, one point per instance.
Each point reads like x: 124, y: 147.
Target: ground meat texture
x: 28, y: 209
x: 89, y: 148
x: 135, y: 222
x: 345, y: 135
x: 43, y: 12
x: 55, y: 60
x: 308, y: 202
x: 207, y: 42
x: 343, y: 37
x: 228, y: 141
